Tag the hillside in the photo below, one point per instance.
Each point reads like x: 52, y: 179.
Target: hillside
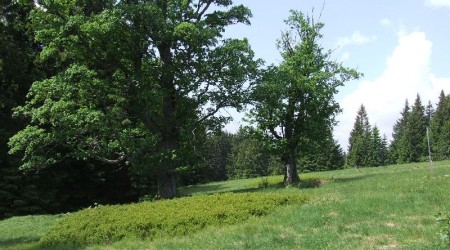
x: 372, y: 208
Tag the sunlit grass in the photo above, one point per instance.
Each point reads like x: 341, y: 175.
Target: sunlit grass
x: 372, y: 208
x: 23, y: 232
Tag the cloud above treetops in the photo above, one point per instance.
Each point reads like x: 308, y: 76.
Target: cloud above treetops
x: 407, y: 73
x: 438, y: 3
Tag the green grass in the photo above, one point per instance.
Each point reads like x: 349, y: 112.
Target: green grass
x: 23, y: 232
x: 373, y: 208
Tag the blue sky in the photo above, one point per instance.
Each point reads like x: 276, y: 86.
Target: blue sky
x: 401, y: 47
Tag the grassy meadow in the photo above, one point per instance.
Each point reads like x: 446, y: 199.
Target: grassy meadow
x: 390, y: 207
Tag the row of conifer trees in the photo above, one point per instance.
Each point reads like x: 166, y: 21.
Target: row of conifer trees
x: 368, y: 148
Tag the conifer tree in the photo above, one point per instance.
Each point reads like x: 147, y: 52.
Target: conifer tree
x: 376, y: 150
x: 359, y: 141
x: 440, y: 128
x: 384, y: 151
x: 416, y: 131
x: 398, y: 149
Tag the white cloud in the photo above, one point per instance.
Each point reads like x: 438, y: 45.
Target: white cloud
x: 355, y: 39
x: 345, y: 56
x: 407, y: 73
x: 437, y: 3
x: 386, y: 22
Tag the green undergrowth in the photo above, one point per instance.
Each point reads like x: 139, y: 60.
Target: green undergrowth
x: 149, y: 220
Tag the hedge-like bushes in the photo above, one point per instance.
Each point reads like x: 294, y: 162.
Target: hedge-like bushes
x: 106, y: 224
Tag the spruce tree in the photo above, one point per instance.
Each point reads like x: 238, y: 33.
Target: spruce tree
x: 359, y: 141
x: 384, y: 151
x: 440, y: 128
x: 376, y: 150
x: 416, y: 131
x: 398, y: 150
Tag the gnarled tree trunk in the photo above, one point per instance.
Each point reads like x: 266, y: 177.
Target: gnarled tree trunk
x: 291, y: 174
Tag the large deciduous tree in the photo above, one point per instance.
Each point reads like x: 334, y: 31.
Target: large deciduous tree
x: 133, y: 81
x: 295, y: 102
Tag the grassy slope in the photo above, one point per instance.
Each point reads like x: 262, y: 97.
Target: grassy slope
x: 23, y: 232
x: 373, y: 208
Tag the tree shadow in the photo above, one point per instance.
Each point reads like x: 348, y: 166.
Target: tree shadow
x: 354, y: 178
x: 19, y: 241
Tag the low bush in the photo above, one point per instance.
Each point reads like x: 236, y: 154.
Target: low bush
x: 106, y: 224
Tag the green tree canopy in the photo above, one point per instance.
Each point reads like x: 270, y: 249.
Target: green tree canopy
x: 295, y: 101
x: 133, y: 81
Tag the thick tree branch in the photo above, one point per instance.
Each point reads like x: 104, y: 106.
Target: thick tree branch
x: 109, y: 161
x: 199, y: 12
x: 274, y: 133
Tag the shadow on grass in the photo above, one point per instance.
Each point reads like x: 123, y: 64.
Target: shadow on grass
x: 7, y: 243
x: 354, y: 178
x: 217, y: 188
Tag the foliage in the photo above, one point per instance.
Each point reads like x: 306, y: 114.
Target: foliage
x: 409, y: 137
x: 133, y: 82
x: 149, y: 220
x: 294, y: 103
x: 416, y: 131
x: 440, y: 127
x: 366, y: 146
x: 322, y: 154
x: 398, y: 149
x: 218, y: 147
x: 248, y: 157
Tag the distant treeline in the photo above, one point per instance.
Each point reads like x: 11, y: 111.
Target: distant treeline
x: 367, y: 148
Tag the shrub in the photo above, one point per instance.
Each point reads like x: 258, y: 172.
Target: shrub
x: 106, y: 224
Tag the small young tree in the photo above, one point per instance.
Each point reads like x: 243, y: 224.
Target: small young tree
x: 294, y: 103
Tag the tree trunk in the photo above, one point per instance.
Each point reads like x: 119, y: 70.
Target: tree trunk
x: 291, y: 174
x: 169, y: 144
x: 167, y: 188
